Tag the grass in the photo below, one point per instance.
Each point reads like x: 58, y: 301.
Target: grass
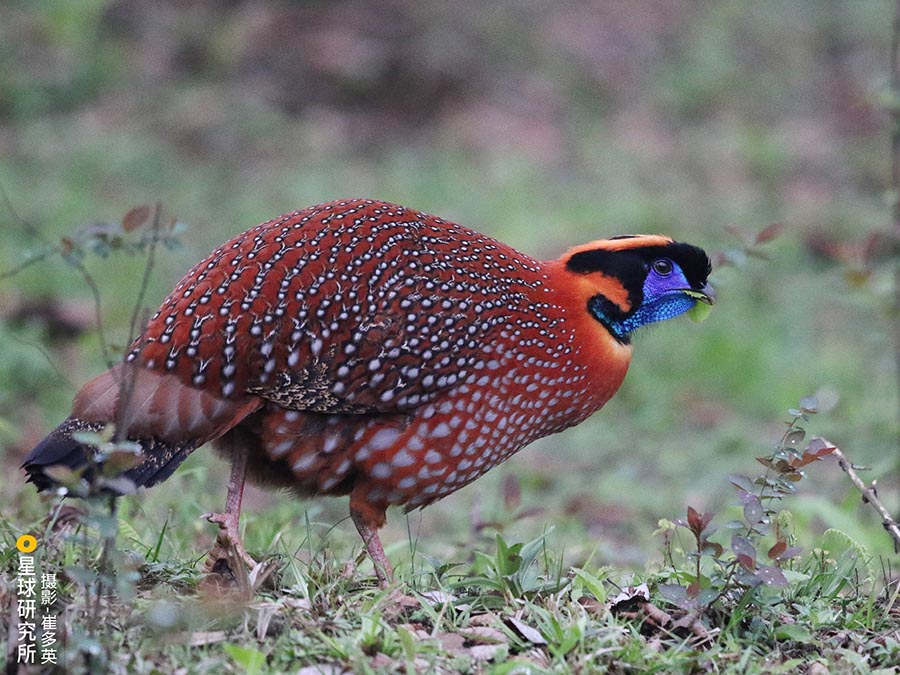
x: 729, y: 592
x: 508, y: 608
x: 569, y: 126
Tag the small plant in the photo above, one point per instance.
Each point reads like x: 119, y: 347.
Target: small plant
x: 749, y: 580
x: 139, y: 232
x: 82, y: 541
x: 514, y: 571
x: 760, y: 545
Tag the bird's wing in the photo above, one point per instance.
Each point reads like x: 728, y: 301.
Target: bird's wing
x: 349, y: 307
x: 412, y: 348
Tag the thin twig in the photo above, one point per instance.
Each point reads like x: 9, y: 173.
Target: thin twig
x: 66, y: 255
x: 148, y: 272
x: 29, y: 229
x: 895, y: 113
x: 870, y: 496
x: 48, y: 357
x: 28, y: 262
x: 895, y: 175
x: 128, y: 379
x: 98, y: 305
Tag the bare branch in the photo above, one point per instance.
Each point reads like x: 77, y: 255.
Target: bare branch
x: 870, y: 496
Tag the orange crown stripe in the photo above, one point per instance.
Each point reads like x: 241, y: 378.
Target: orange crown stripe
x: 623, y: 244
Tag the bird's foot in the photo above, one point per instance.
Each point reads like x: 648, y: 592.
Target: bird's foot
x: 228, y: 542
x: 367, y: 526
x: 383, y: 570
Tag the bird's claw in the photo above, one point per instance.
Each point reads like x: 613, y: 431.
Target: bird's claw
x: 228, y: 540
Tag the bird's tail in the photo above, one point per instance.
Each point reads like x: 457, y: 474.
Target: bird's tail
x: 166, y: 417
x: 60, y: 448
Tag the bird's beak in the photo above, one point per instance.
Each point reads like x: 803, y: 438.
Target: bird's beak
x: 706, y: 294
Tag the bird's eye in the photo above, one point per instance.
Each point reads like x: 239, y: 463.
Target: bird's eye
x: 662, y: 266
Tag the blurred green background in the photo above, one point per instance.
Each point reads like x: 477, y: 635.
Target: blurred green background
x: 542, y: 124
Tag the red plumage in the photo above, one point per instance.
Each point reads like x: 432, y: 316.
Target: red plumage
x: 361, y: 348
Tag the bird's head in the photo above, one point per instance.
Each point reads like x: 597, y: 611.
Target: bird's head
x: 630, y: 281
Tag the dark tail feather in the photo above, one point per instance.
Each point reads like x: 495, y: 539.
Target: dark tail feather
x: 160, y: 461
x: 58, y: 449
x: 61, y: 449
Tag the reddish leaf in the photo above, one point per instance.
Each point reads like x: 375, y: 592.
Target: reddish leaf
x: 739, y: 233
x: 137, y: 217
x: 742, y: 483
x: 744, y: 551
x: 818, y: 448
x: 697, y: 523
x: 767, y: 462
x: 693, y: 590
x: 747, y: 562
x: 803, y: 460
x: 769, y: 233
x: 809, y: 404
x: 779, y: 548
x: 712, y: 547
x: 785, y: 466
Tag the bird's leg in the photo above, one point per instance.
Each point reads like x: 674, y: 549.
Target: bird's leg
x: 367, y: 525
x: 229, y: 538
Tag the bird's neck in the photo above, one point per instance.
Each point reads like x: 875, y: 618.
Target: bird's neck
x: 591, y: 363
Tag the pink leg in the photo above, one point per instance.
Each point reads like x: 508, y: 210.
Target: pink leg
x: 369, y: 534
x: 229, y: 537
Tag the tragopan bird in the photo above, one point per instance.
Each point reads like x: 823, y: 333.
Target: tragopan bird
x: 364, y: 348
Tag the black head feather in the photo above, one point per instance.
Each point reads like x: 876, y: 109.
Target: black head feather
x: 630, y: 264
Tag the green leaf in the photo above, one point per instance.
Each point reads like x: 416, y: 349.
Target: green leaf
x: 127, y: 532
x: 793, y: 576
x: 794, y: 632
x: 592, y: 583
x: 771, y: 576
x: 699, y: 312
x: 793, y: 438
x: 809, y: 404
x: 744, y: 551
x: 838, y: 543
x: 251, y: 660
x: 407, y: 642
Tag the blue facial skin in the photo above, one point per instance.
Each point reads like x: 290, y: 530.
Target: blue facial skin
x: 664, y: 298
